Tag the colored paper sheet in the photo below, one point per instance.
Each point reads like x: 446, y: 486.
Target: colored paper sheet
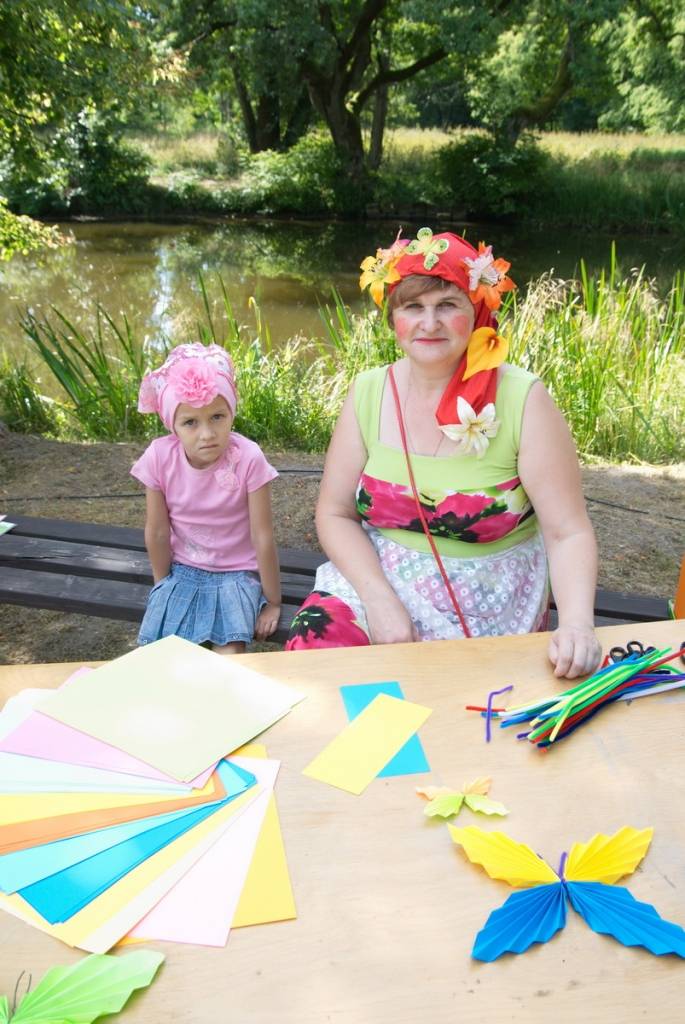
x: 362, y: 750
x: 36, y: 818
x: 201, y: 906
x: 19, y: 774
x: 267, y: 895
x: 25, y: 867
x: 5, y: 527
x: 172, y: 704
x: 101, y: 924
x: 61, y: 895
x: 410, y: 760
x: 42, y: 737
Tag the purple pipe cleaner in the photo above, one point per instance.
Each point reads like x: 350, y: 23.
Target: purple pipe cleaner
x: 488, y: 713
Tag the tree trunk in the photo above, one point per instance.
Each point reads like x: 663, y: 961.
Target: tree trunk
x: 249, y: 121
x: 380, y: 113
x: 268, y: 123
x: 299, y: 120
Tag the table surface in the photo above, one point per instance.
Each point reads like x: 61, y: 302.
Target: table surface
x: 388, y: 906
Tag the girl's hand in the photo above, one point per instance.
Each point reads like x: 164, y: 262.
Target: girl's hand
x: 267, y: 621
x: 574, y: 651
x: 389, y: 621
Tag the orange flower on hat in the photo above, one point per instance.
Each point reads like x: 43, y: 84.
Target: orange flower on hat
x: 486, y: 351
x: 487, y: 277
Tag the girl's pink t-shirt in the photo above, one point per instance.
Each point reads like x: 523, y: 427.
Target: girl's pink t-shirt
x: 208, y: 508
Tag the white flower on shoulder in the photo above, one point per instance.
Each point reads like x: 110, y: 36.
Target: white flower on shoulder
x: 472, y: 434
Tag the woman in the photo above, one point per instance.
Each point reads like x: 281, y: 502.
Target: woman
x: 451, y: 480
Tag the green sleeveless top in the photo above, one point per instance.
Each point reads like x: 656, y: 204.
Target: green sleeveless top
x: 470, y: 504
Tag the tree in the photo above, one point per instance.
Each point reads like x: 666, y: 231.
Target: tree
x: 338, y: 59
x: 59, y: 58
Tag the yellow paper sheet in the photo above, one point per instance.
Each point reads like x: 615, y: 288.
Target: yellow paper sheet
x: 365, y: 746
x: 267, y: 894
x: 172, y: 704
x: 107, y: 918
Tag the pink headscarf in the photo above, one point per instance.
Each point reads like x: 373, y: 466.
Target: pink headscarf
x: 193, y: 374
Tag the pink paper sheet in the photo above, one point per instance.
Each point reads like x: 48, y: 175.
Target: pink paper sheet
x: 50, y: 740
x: 201, y: 906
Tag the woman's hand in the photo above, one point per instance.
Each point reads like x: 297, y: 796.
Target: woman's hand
x: 574, y: 651
x: 389, y: 621
x: 267, y: 621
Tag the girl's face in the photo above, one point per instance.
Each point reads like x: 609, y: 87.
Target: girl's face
x: 435, y: 327
x: 204, y: 432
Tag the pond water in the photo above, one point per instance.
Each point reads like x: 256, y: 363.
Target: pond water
x: 150, y: 272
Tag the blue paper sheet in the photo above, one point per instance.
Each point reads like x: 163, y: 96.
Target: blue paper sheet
x: 61, y: 895
x: 22, y: 868
x: 410, y: 760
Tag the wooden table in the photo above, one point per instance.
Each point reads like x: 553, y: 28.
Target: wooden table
x: 388, y: 906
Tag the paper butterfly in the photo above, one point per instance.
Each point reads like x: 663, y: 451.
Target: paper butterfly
x: 84, y: 991
x: 431, y: 248
x: 445, y: 802
x: 586, y: 878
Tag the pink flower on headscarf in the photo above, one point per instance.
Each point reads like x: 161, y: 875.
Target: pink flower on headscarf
x: 192, y: 373
x: 194, y: 381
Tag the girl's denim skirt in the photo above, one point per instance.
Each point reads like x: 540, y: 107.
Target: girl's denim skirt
x: 201, y: 606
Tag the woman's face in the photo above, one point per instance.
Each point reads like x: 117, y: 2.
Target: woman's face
x: 435, y: 327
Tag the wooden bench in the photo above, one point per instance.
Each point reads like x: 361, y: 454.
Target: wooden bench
x: 104, y: 571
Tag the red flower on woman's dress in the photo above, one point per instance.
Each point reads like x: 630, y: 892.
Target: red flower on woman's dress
x: 325, y: 621
x: 389, y: 506
x: 494, y: 527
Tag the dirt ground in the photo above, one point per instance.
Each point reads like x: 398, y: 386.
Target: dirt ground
x: 638, y: 513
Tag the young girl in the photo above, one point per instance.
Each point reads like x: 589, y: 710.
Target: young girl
x: 208, y: 529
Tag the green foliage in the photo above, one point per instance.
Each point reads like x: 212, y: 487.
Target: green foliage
x: 641, y: 190
x: 307, y: 179
x: 612, y: 353
x: 21, y: 234
x: 610, y: 349
x: 492, y: 179
x: 99, y: 373
x: 22, y: 407
x: 106, y: 175
x: 59, y: 58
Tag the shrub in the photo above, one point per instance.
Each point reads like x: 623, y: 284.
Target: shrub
x: 492, y: 179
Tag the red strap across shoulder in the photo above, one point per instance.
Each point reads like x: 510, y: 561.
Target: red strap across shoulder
x: 419, y: 509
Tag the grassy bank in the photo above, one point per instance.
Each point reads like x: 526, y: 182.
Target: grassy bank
x: 610, y: 349
x: 608, y: 182
x: 595, y: 182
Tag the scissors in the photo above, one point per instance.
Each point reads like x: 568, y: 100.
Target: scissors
x: 634, y: 648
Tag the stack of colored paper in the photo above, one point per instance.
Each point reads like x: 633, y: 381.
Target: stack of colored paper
x: 119, y: 810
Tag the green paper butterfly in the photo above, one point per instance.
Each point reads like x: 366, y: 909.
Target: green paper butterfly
x: 84, y: 991
x: 432, y: 248
x: 444, y: 802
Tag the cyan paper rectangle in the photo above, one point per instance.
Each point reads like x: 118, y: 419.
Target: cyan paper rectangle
x: 410, y: 760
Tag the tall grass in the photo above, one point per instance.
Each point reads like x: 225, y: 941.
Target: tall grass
x: 612, y: 354
x: 609, y: 348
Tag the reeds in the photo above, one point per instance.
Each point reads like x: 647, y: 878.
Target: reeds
x: 610, y: 349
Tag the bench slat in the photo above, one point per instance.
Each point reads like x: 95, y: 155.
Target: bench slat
x: 105, y: 599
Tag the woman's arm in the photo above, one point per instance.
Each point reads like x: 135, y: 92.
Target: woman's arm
x: 550, y: 474
x: 157, y: 533
x: 343, y: 539
x: 262, y: 533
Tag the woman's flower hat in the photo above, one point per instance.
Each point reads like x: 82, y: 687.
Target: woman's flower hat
x: 446, y: 255
x: 193, y: 374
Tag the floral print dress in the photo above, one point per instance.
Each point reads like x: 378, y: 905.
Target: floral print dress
x: 479, y: 515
